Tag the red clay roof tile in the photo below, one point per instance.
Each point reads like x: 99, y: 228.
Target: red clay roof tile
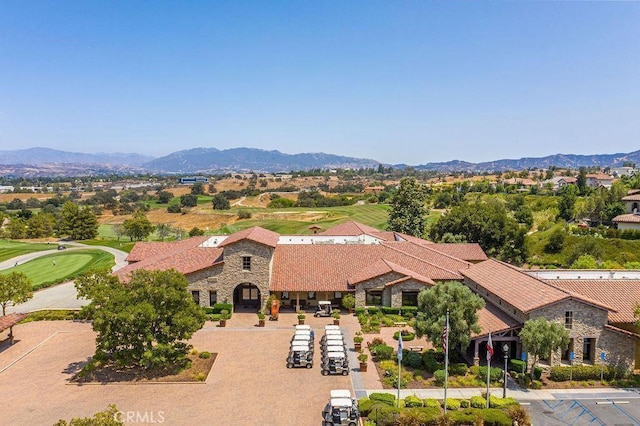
x: 256, y: 234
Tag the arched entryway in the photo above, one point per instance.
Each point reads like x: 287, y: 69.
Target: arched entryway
x: 246, y: 296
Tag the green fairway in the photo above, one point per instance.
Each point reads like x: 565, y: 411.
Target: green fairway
x: 124, y: 244
x: 9, y: 249
x: 43, y: 272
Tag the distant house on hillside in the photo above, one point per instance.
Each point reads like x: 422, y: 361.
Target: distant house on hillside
x: 598, y: 180
x: 631, y: 219
x: 523, y: 184
x: 566, y: 180
x: 623, y: 171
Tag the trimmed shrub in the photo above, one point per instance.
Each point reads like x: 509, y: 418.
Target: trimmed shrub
x: 359, y: 311
x: 406, y: 335
x: 495, y: 374
x: 438, y: 375
x: 431, y: 403
x: 496, y: 417
x: 388, y: 310
x: 412, y: 401
x: 381, y: 352
x: 478, y: 402
x: 383, y: 415
x: 537, y: 373
x: 469, y: 416
x: 372, y: 310
x: 536, y: 384
x: 452, y: 404
x: 411, y: 359
x: 409, y: 311
x: 474, y: 369
x: 464, y: 403
x: 204, y: 355
x: 495, y: 402
x: 385, y: 398
x: 430, y: 361
x: 364, y: 405
x: 420, y: 415
x: 219, y: 307
x: 458, y: 369
x: 580, y: 372
x: 517, y: 365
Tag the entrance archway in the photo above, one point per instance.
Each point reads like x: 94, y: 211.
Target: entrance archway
x: 246, y: 296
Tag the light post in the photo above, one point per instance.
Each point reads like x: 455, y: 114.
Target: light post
x: 505, y: 350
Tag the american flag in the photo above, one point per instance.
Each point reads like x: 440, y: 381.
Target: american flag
x: 489, y: 348
x: 444, y: 338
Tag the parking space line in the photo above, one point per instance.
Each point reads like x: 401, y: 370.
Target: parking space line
x: 626, y: 413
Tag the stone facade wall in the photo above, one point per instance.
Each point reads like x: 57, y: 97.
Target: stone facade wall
x: 226, y: 277
x: 409, y: 285
x: 588, y: 322
x: 379, y: 282
x: 619, y: 349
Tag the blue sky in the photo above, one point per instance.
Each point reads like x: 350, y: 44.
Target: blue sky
x: 397, y: 81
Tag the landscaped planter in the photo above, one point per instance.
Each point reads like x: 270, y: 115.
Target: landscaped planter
x: 357, y: 346
x: 336, y: 321
x: 301, y: 321
x: 223, y: 323
x: 363, y: 366
x: 261, y: 323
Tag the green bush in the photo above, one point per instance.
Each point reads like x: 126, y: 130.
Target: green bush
x: 452, y: 404
x: 438, y: 375
x: 364, y: 405
x: 458, y: 369
x: 381, y: 352
x: 204, y: 355
x: 517, y: 365
x: 409, y: 311
x: 383, y: 415
x: 431, y: 403
x: 406, y: 335
x: 474, y: 369
x: 388, y: 310
x: 537, y: 373
x: 420, y: 415
x: 468, y: 416
x: 495, y: 417
x: 359, y: 311
x: 536, y: 384
x: 430, y: 361
x: 372, y: 310
x: 411, y: 359
x: 412, y: 401
x: 495, y: 402
x: 385, y: 398
x: 219, y: 307
x: 478, y: 402
x: 464, y: 403
x: 495, y: 374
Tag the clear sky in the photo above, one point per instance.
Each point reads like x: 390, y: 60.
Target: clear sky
x: 396, y: 81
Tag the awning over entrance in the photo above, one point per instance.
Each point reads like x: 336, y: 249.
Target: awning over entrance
x: 8, y: 321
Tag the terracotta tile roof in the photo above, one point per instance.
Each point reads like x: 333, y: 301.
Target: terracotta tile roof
x: 328, y: 267
x: 256, y: 234
x: 627, y: 218
x: 350, y: 228
x: 599, y: 176
x: 569, y: 179
x: 430, y: 255
x: 470, y: 252
x: 398, y: 236
x: 10, y: 320
x: 382, y: 267
x: 518, y: 289
x: 621, y: 295
x: 185, y: 261
x: 491, y: 318
x: 631, y: 197
x: 621, y: 331
x: 144, y: 250
x: 519, y: 181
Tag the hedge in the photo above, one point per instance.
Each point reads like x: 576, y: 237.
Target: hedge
x: 491, y: 417
x: 458, y: 369
x: 219, y: 307
x: 385, y: 398
x: 372, y: 310
x: 452, y: 404
x: 495, y: 374
x: 359, y: 311
x: 365, y: 405
x: 478, y: 402
x: 581, y: 372
x: 517, y: 365
x: 406, y: 335
x: 495, y: 402
x: 411, y: 359
x: 381, y: 352
x: 383, y: 414
x: 431, y: 362
x: 431, y: 403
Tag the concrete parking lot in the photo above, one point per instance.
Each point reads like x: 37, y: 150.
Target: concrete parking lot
x: 248, y: 385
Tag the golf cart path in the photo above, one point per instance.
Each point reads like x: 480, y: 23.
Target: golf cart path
x: 61, y: 296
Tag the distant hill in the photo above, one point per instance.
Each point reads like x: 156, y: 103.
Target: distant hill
x: 51, y: 162
x: 250, y: 159
x: 36, y: 156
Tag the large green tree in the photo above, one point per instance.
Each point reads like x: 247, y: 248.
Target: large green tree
x: 486, y: 223
x: 142, y: 323
x: 138, y: 226
x: 567, y: 202
x: 463, y: 306
x: 541, y: 337
x: 408, y: 213
x: 15, y: 288
x: 76, y: 223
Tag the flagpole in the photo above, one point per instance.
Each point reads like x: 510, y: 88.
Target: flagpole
x: 399, y: 363
x: 446, y: 361
x: 488, y: 366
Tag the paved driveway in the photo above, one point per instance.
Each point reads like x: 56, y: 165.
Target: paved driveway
x: 248, y: 385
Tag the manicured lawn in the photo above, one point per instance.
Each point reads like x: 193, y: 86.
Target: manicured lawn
x: 124, y: 244
x: 9, y: 249
x: 68, y: 265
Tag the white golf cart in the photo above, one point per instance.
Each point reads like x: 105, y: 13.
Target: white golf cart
x: 341, y: 410
x: 335, y: 363
x: 300, y: 356
x: 324, y: 309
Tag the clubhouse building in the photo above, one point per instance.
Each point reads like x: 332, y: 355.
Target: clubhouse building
x: 385, y: 268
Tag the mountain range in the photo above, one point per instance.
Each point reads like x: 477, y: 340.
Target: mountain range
x: 34, y: 162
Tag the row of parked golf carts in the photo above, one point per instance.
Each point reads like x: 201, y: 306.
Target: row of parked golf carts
x: 342, y: 409
x: 334, y: 354
x: 301, y: 349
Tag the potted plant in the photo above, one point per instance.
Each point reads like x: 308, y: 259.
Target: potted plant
x: 261, y: 319
x: 357, y: 341
x: 224, y: 316
x: 349, y: 302
x: 301, y: 317
x: 363, y: 362
x: 336, y: 317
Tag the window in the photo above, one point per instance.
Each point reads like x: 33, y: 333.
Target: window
x: 213, y: 298
x: 246, y: 263
x: 285, y: 295
x: 337, y: 295
x: 311, y: 295
x: 568, y: 319
x: 588, y: 349
x: 409, y: 298
x: 196, y: 296
x: 374, y: 297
